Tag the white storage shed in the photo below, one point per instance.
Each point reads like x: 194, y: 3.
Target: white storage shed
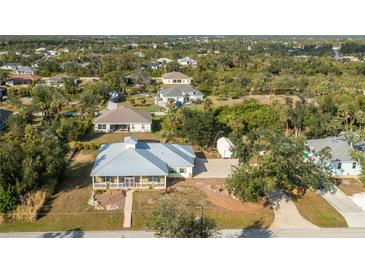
x: 225, y: 147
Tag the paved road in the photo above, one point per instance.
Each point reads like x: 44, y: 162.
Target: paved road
x: 287, y: 215
x: 213, y: 168
x: 227, y: 233
x: 353, y: 214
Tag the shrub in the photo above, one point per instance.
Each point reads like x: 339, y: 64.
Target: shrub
x: 8, y: 199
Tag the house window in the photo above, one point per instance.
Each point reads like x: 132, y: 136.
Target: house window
x: 106, y: 179
x: 354, y: 165
x: 339, y: 165
x: 153, y: 179
x: 174, y: 81
x: 133, y: 126
x: 142, y: 126
x: 182, y: 170
x: 172, y: 171
x: 101, y: 126
x: 179, y: 81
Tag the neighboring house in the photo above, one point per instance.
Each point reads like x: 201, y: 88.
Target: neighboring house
x: 225, y: 147
x: 123, y: 119
x: 25, y: 70
x: 175, y: 78
x: 11, y: 66
x: 155, y: 65
x: 181, y: 93
x: 55, y: 81
x: 4, y: 115
x: 187, y: 61
x: 22, y: 79
x: 164, y: 60
x: 341, y: 162
x: 136, y: 164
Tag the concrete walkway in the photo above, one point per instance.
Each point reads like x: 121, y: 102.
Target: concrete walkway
x: 128, y: 209
x: 287, y: 215
x: 353, y: 214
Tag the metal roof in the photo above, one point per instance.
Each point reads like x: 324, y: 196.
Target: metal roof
x: 141, y: 159
x: 340, y: 148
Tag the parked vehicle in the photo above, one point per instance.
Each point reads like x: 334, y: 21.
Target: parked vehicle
x: 117, y: 96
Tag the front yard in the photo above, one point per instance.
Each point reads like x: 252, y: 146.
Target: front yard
x: 193, y: 193
x: 351, y: 186
x: 68, y: 208
x: 320, y: 213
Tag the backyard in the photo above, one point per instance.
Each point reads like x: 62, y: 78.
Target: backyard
x: 207, y: 193
x: 320, y: 213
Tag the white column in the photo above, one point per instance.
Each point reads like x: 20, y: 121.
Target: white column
x: 118, y: 181
x: 165, y: 181
x: 93, y: 182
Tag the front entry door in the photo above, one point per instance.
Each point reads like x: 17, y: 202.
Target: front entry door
x: 129, y: 182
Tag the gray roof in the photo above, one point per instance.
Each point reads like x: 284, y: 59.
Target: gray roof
x: 340, y: 148
x: 124, y: 115
x: 135, y: 158
x: 175, y: 75
x: 25, y: 69
x: 180, y: 91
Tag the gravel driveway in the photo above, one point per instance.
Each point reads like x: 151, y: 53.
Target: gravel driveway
x: 213, y: 168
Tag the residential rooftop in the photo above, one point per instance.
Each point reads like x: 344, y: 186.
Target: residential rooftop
x: 124, y: 115
x: 175, y: 75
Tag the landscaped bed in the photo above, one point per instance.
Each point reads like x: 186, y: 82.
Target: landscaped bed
x: 193, y: 194
x: 351, y: 186
x: 68, y: 208
x: 320, y: 213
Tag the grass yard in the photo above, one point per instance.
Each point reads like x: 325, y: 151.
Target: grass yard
x: 351, y: 186
x: 115, y: 137
x: 228, y: 213
x: 68, y: 208
x: 316, y: 210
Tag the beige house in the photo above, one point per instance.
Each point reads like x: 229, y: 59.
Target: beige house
x: 175, y: 78
x: 136, y: 164
x: 123, y: 119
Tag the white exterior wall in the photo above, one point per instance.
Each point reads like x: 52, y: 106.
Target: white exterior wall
x: 346, y: 168
x: 139, y: 128
x: 171, y: 82
x: 132, y: 128
x: 188, y: 172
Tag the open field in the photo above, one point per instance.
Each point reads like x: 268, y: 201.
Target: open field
x: 193, y: 193
x: 316, y: 210
x: 351, y: 186
x: 68, y: 208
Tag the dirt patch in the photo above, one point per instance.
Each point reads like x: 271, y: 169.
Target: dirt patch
x: 84, y: 157
x: 111, y: 197
x: 214, y: 188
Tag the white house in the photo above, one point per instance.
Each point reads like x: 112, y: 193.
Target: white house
x: 135, y: 164
x: 225, y: 147
x: 11, y: 66
x: 175, y: 78
x: 164, y: 60
x: 180, y: 93
x: 123, y: 119
x: 187, y: 61
x: 341, y: 162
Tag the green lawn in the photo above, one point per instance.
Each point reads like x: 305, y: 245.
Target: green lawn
x: 251, y: 215
x: 68, y: 208
x: 316, y: 210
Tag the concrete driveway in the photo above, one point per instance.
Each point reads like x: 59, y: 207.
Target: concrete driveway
x: 287, y: 215
x: 353, y: 214
x: 213, y: 168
